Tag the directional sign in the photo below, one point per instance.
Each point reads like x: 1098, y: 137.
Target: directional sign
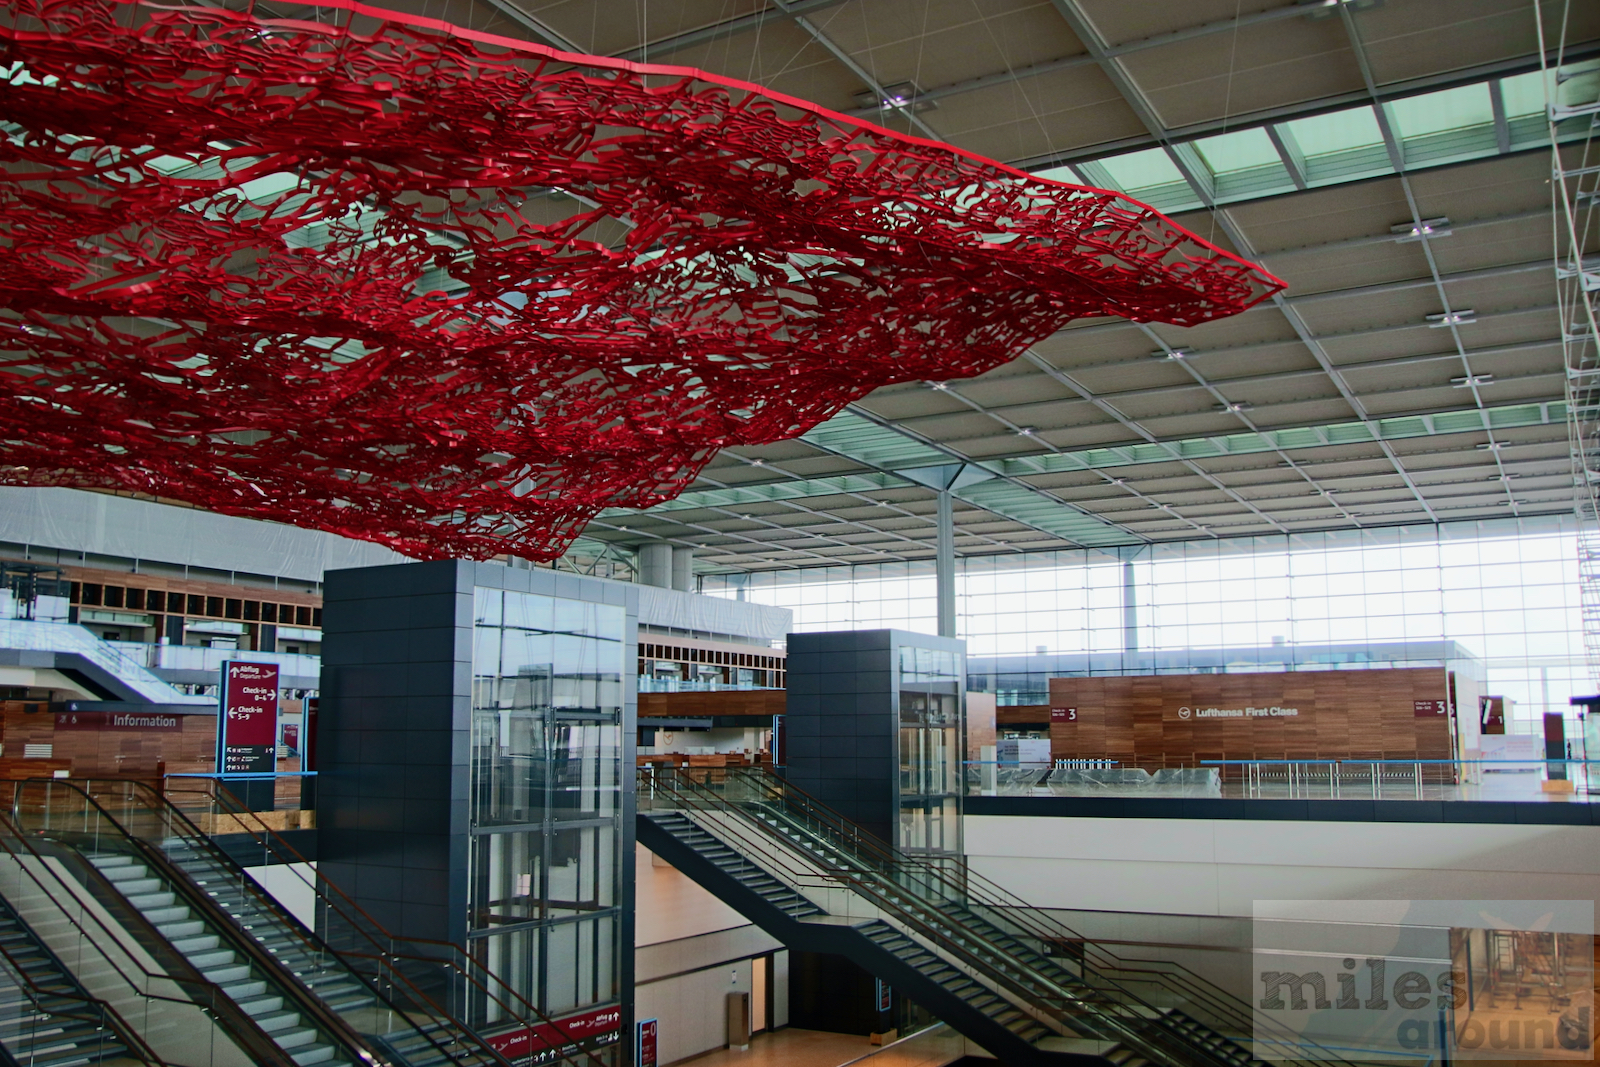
x: 247, y: 723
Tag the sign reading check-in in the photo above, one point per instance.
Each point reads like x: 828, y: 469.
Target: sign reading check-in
x: 247, y: 726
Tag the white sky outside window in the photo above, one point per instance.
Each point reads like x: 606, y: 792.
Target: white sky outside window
x: 1337, y: 131
x: 1142, y: 170
x: 1523, y: 94
x: 1242, y: 150
x: 1510, y: 599
x: 1452, y: 109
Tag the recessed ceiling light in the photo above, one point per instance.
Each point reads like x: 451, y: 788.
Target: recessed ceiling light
x: 1235, y: 406
x: 1492, y: 446
x: 1026, y: 431
x: 941, y: 386
x: 1412, y: 231
x: 758, y: 463
x: 1468, y: 381
x: 1464, y: 317
x: 1178, y: 354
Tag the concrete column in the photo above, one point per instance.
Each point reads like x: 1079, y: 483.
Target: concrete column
x: 945, y: 565
x: 683, y: 568
x: 655, y: 564
x: 1130, y: 613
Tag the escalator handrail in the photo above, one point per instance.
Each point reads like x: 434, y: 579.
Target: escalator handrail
x: 458, y: 959
x: 1058, y: 1003
x: 1015, y: 910
x: 192, y: 835
x: 844, y: 829
x: 203, y: 993
x: 356, y: 1044
x: 102, y: 1013
x: 888, y: 858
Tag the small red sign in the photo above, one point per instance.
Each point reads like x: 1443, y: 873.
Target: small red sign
x: 1427, y: 709
x: 116, y: 720
x: 1063, y: 714
x: 648, y: 1029
x: 531, y: 1043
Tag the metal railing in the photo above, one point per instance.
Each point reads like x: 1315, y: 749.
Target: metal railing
x: 200, y: 658
x: 1071, y: 983
x: 438, y: 976
x: 184, y: 1013
x: 129, y: 817
x: 64, y: 637
x: 697, y: 685
x: 1347, y: 778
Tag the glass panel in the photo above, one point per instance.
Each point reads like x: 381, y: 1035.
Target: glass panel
x: 1338, y: 131
x: 1142, y: 170
x: 931, y: 685
x: 507, y: 872
x: 545, y: 789
x: 1453, y: 109
x: 1238, y: 151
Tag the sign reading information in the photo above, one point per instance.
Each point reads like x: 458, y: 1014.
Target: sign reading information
x: 116, y: 720
x: 247, y: 724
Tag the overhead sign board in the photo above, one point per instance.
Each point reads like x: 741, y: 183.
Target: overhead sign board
x: 247, y: 720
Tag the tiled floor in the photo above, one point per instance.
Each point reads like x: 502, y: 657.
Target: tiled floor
x: 788, y: 1048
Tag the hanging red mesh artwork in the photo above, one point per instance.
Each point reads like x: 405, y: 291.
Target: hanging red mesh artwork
x: 454, y: 293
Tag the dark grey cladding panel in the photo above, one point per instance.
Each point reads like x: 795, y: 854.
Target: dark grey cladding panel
x: 843, y: 719
x: 394, y: 731
x: 839, y: 641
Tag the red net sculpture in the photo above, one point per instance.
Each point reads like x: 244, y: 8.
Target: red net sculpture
x: 381, y: 276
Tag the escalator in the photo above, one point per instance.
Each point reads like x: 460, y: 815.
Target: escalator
x: 47, y: 1018
x: 204, y: 966
x: 447, y: 994
x: 1007, y: 976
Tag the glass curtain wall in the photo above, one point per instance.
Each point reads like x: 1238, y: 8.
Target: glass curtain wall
x: 1505, y: 592
x: 545, y: 817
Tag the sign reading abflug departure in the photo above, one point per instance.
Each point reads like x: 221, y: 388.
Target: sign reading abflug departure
x: 247, y: 726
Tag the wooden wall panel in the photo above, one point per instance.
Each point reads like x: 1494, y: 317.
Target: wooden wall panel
x: 1161, y: 721
x: 110, y: 753
x: 752, y: 702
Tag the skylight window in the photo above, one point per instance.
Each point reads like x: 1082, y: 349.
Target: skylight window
x: 1338, y: 131
x: 1142, y: 170
x: 1452, y: 109
x: 1523, y: 94
x: 1242, y: 150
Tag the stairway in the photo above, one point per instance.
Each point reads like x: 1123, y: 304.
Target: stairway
x: 46, y: 1018
x: 204, y: 948
x: 970, y: 1006
x: 757, y: 881
x: 957, y: 983
x: 1177, y: 1022
x: 779, y: 867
